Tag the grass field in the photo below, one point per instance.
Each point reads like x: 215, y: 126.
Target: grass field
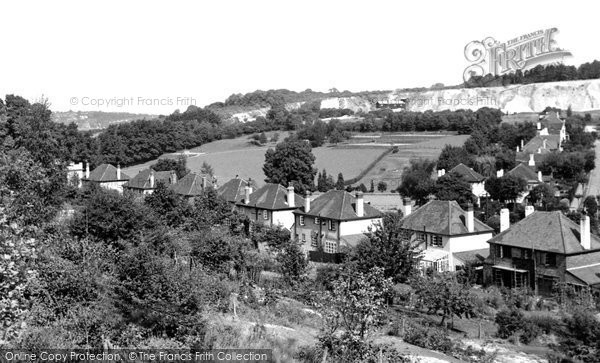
x: 233, y: 157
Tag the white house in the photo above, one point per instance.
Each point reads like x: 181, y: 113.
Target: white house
x: 446, y: 234
x: 476, y: 180
x: 146, y: 181
x: 107, y: 176
x: 333, y: 220
x: 271, y: 205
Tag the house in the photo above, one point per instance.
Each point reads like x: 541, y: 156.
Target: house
x: 234, y: 190
x: 552, y: 124
x: 443, y: 231
x: 333, y: 220
x: 75, y: 172
x: 147, y: 180
x: 538, y: 148
x: 106, y: 176
x: 192, y: 185
x: 528, y: 174
x: 543, y: 249
x: 476, y: 180
x: 270, y: 205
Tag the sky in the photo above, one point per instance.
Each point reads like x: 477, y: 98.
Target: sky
x: 157, y: 56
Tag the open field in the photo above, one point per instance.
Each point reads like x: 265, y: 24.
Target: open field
x: 390, y: 168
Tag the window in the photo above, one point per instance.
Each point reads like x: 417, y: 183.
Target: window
x: 330, y: 247
x: 317, y: 221
x: 436, y: 240
x: 550, y: 259
x: 421, y: 236
x: 313, y: 239
x: 331, y: 225
x: 301, y: 220
x: 265, y: 214
x: 303, y: 237
x: 506, y: 252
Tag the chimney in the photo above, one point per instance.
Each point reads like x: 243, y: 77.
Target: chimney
x: 517, y: 148
x: 250, y: 184
x: 360, y: 207
x: 247, y: 190
x: 204, y: 182
x: 522, y: 143
x: 500, y: 173
x: 584, y: 226
x: 307, y: 202
x: 504, y: 219
x: 443, y: 172
x: 531, y: 160
x: 406, y: 206
x: 540, y: 176
x: 539, y: 125
x: 470, y: 218
x: 528, y: 210
x: 87, y: 169
x: 173, y: 177
x: 439, y: 173
x: 290, y: 196
x: 544, y: 144
x: 539, y: 150
x: 118, y: 171
x: 151, y: 177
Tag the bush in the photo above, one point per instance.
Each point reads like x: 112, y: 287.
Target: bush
x: 547, y: 324
x: 509, y: 322
x: 423, y: 334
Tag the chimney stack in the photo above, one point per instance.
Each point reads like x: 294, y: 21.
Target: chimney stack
x: 544, y: 144
x: 204, y: 182
x: 504, y: 219
x: 500, y: 173
x: 539, y: 125
x: 517, y: 148
x: 470, y: 218
x: 247, y: 191
x: 584, y: 226
x: 307, y: 202
x: 522, y: 143
x: 118, y: 171
x: 406, y: 206
x: 151, y: 177
x: 443, y: 172
x: 528, y: 210
x: 531, y: 160
x: 173, y: 177
x: 250, y: 184
x: 540, y: 178
x: 87, y: 169
x: 360, y: 206
x: 290, y: 196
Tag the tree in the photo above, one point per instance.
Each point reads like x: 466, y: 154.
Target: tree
x: 372, y: 187
x: 388, y: 246
x: 543, y: 195
x: 179, y: 166
x: 207, y: 169
x: 453, y: 187
x: 293, y: 263
x: 451, y: 156
x: 336, y: 137
x: 506, y: 188
x: 416, y: 180
x: 291, y: 162
x: 382, y: 186
x: 339, y: 185
x: 262, y: 138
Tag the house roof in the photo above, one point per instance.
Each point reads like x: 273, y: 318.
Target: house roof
x: 442, y: 217
x: 524, y: 172
x: 272, y: 196
x: 589, y: 274
x: 142, y: 179
x: 473, y: 255
x: 468, y: 174
x: 545, y: 231
x: 106, y: 173
x: 523, y: 157
x: 553, y: 122
x: 191, y: 185
x: 233, y: 190
x: 537, y: 142
x: 339, y: 205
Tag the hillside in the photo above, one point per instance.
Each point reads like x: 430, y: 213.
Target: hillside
x: 96, y: 120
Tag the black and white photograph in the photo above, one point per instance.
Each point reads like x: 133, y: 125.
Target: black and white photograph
x: 299, y: 181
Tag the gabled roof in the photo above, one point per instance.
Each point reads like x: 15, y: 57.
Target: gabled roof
x: 106, y: 173
x: 545, y: 231
x: 273, y: 197
x: 442, y: 217
x: 468, y: 174
x: 524, y: 172
x: 233, y: 191
x: 537, y: 143
x: 142, y: 179
x: 523, y: 157
x: 191, y: 185
x: 553, y: 122
x: 338, y: 205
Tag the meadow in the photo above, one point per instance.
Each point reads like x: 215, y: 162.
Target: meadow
x: 237, y: 156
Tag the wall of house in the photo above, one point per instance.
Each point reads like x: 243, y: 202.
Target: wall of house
x: 469, y: 242
x: 358, y: 226
x: 309, y: 227
x: 478, y: 189
x: 114, y: 185
x: 285, y: 218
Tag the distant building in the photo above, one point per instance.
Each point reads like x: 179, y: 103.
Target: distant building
x: 444, y: 232
x: 270, y: 205
x: 552, y: 124
x: 551, y: 134
x: 476, y: 180
x: 543, y: 249
x: 234, y: 190
x: 75, y: 170
x: 192, y: 185
x: 106, y: 176
x: 333, y: 220
x: 147, y: 180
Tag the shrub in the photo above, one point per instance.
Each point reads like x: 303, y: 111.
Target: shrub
x: 547, y: 323
x: 424, y: 334
x: 509, y: 322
